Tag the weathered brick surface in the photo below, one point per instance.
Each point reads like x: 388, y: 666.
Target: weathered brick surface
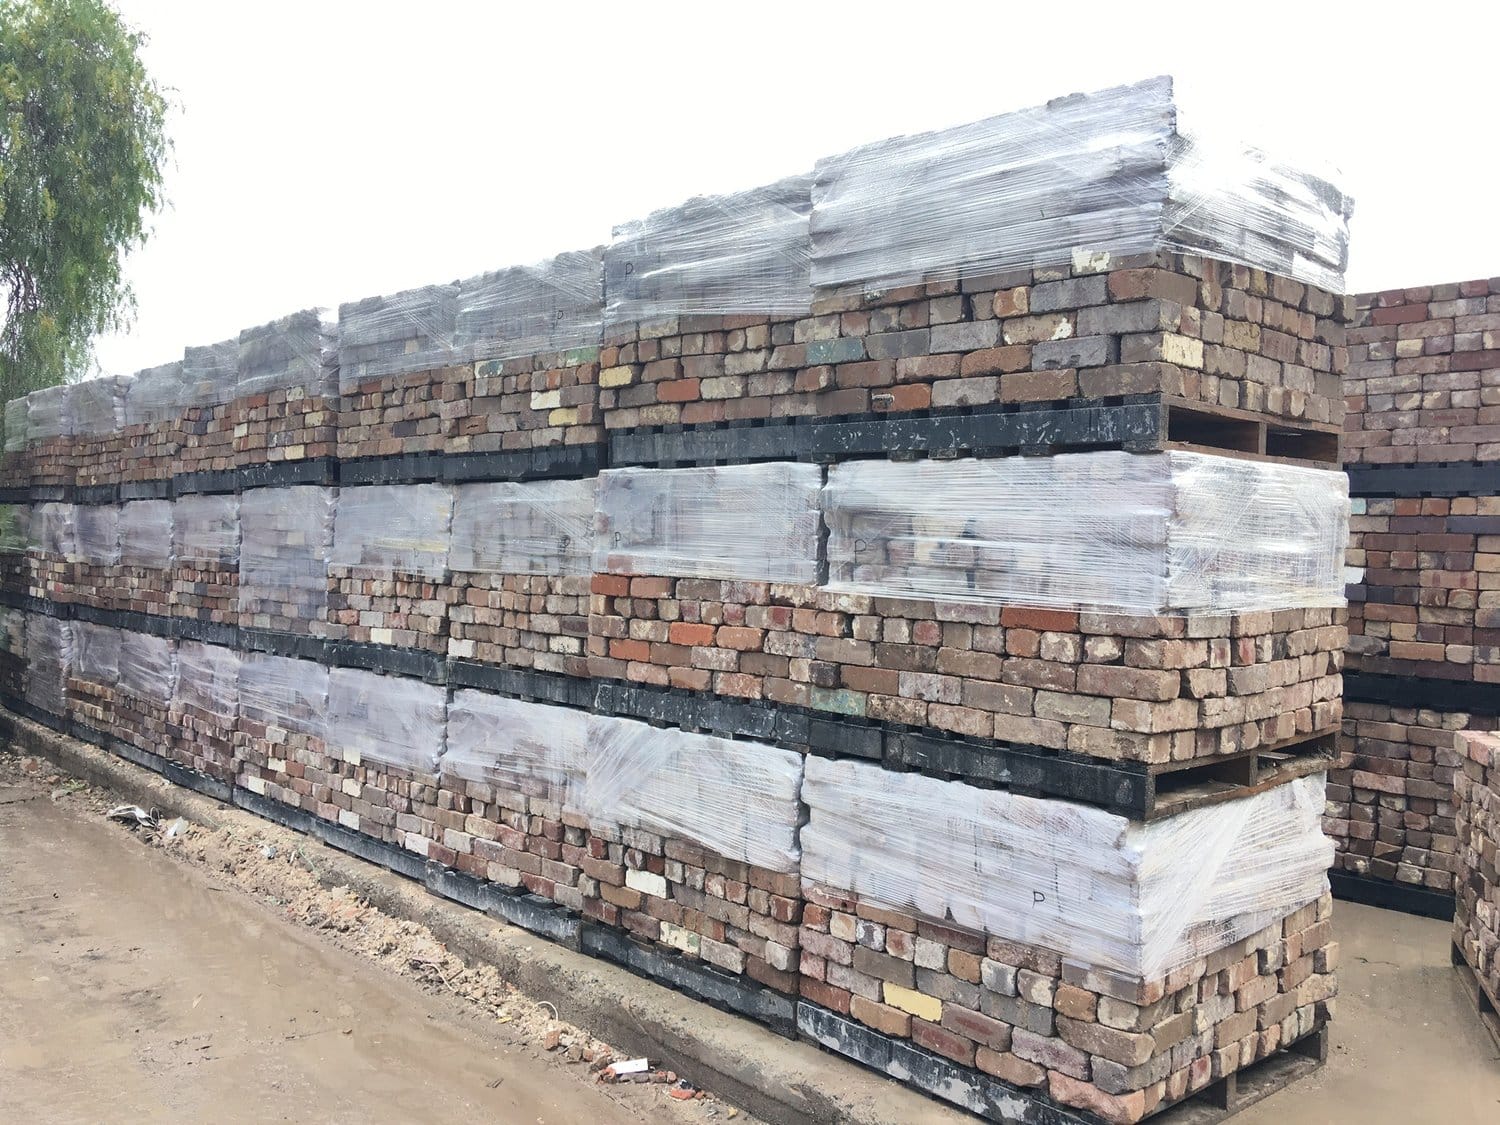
x: 1178, y: 325
x: 1476, y: 920
x: 1424, y: 375
x: 533, y: 402
x: 285, y: 424
x: 520, y: 620
x: 1390, y: 799
x: 1123, y: 1047
x: 1135, y: 688
x: 391, y: 414
x: 392, y: 608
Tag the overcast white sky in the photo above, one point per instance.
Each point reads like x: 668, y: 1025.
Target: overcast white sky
x: 328, y: 151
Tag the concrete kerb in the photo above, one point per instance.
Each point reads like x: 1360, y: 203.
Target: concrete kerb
x: 774, y: 1078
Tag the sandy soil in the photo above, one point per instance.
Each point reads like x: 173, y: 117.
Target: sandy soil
x: 189, y: 975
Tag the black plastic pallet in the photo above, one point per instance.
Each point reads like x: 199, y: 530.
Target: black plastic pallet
x: 206, y: 632
x: 546, y: 463
x: 1137, y: 426
x: 1447, y: 478
x: 149, y: 623
x: 284, y: 644
x: 400, y: 468
x: 146, y: 489
x: 523, y: 683
x: 321, y: 471
x: 411, y: 663
x: 1391, y: 896
x: 96, y: 494
x: 1426, y: 692
x: 209, y: 482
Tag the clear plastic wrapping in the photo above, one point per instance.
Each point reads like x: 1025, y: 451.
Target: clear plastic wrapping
x: 53, y: 530
x: 13, y: 637
x: 208, y: 679
x: 99, y: 405
x: 146, y: 533
x: 393, y: 528
x: 97, y: 533
x: 16, y: 424
x: 300, y: 350
x: 536, y: 527
x: 49, y: 413
x: 283, y: 692
x: 715, y: 255
x: 285, y: 536
x: 206, y: 529
x: 148, y: 667
x: 751, y: 522
x: 208, y: 373
x: 387, y: 720
x: 1105, y: 892
x: 96, y: 653
x: 396, y: 334
x: 1112, y: 532
x: 49, y: 659
x: 156, y: 395
x: 15, y: 528
x: 736, y: 799
x: 1103, y: 172
x: 553, y: 306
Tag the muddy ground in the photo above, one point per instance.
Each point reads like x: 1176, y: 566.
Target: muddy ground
x: 191, y: 975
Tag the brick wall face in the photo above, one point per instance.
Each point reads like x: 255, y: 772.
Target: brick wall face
x: 520, y: 621
x: 1476, y: 922
x: 1424, y: 375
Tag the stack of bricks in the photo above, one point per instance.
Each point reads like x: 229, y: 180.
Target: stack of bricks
x: 51, y: 551
x: 208, y: 427
x: 1422, y: 395
x: 15, y: 552
x: 384, y: 738
x: 280, y: 751
x: 396, y: 368
x: 99, y: 430
x: 387, y: 573
x: 153, y: 433
x: 285, y: 538
x: 49, y: 440
x: 286, y: 391
x: 93, y: 678
x: 49, y: 659
x: 529, y: 341
x: 1476, y: 921
x: 206, y: 559
x: 12, y: 651
x: 204, y: 710
x: 143, y: 701
x: 521, y: 560
x: 97, y: 578
x: 1424, y: 375
x: 146, y: 557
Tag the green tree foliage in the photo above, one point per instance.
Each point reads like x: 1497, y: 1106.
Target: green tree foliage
x: 82, y: 150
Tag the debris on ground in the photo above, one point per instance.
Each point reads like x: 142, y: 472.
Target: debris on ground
x: 134, y: 815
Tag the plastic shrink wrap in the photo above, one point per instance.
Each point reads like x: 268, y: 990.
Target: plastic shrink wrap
x: 97, y: 533
x: 736, y: 799
x: 208, y: 373
x: 208, y: 679
x: 721, y: 255
x: 393, y: 528
x: 1110, y: 532
x: 296, y: 351
x: 1102, y: 891
x: 755, y: 523
x: 536, y: 527
x: 96, y: 653
x: 49, y: 413
x: 148, y: 667
x: 156, y: 395
x: 553, y: 306
x: 1107, y: 172
x: 49, y: 657
x: 53, y: 530
x: 385, y: 720
x: 285, y: 536
x: 15, y: 527
x: 146, y: 533
x: 16, y: 425
x: 99, y: 405
x: 206, y: 529
x: 12, y: 646
x: 283, y: 692
x: 397, y: 334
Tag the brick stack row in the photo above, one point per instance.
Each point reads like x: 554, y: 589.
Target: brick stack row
x: 1476, y: 916
x: 1126, y: 604
x: 1422, y: 445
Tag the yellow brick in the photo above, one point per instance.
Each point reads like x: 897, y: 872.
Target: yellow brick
x: 1182, y: 350
x: 617, y: 376
x: 567, y: 416
x: 919, y: 1004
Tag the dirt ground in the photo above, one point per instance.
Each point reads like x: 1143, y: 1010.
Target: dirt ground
x: 194, y: 975
x: 199, y: 978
